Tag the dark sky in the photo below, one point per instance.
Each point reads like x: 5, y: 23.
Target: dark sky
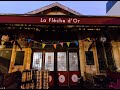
x: 84, y: 7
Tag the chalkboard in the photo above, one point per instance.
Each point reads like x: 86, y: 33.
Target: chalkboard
x: 19, y: 58
x: 5, y: 57
x: 89, y: 58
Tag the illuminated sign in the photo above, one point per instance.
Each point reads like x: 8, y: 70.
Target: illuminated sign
x: 59, y: 20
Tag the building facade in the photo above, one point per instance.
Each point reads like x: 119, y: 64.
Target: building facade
x: 112, y: 8
x: 61, y: 40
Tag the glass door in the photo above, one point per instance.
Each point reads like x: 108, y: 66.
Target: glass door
x: 74, y: 72
x: 62, y: 68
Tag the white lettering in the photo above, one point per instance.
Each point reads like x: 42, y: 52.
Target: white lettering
x: 54, y: 20
x: 75, y: 20
x: 42, y: 20
x: 69, y: 20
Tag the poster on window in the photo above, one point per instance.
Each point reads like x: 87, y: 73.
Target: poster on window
x: 37, y: 60
x: 61, y: 61
x: 73, y: 61
x: 49, y: 61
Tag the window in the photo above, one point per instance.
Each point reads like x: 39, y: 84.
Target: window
x: 61, y: 61
x: 73, y: 61
x: 19, y: 57
x: 37, y: 60
x: 89, y: 58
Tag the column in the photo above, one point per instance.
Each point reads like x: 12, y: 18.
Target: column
x: 12, y: 61
x: 116, y: 53
x: 28, y: 58
x: 82, y: 58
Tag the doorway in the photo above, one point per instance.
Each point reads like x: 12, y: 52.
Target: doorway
x: 63, y: 66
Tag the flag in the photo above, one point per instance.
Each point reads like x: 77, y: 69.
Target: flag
x: 76, y: 42
x: 29, y: 40
x: 68, y: 44
x: 54, y: 45
x: 61, y: 44
x: 43, y: 45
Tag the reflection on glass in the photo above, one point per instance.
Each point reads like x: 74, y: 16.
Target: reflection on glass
x: 73, y: 61
x: 37, y: 60
x: 61, y: 61
x: 49, y: 61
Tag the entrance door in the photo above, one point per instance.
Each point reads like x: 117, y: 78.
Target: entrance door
x: 68, y: 68
x: 63, y: 66
x: 74, y: 72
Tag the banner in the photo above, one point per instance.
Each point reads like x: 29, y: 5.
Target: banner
x: 76, y: 42
x: 61, y: 44
x: 43, y: 45
x: 29, y: 40
x: 54, y: 45
x: 68, y: 44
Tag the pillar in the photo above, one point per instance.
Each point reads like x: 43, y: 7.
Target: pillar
x: 82, y: 58
x: 116, y: 53
x: 28, y: 53
x: 12, y: 61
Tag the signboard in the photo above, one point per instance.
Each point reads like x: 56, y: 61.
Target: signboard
x: 59, y: 20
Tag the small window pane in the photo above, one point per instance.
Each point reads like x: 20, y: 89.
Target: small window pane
x: 61, y: 61
x: 49, y: 61
x: 19, y: 57
x: 73, y: 61
x: 89, y: 58
x: 37, y: 60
